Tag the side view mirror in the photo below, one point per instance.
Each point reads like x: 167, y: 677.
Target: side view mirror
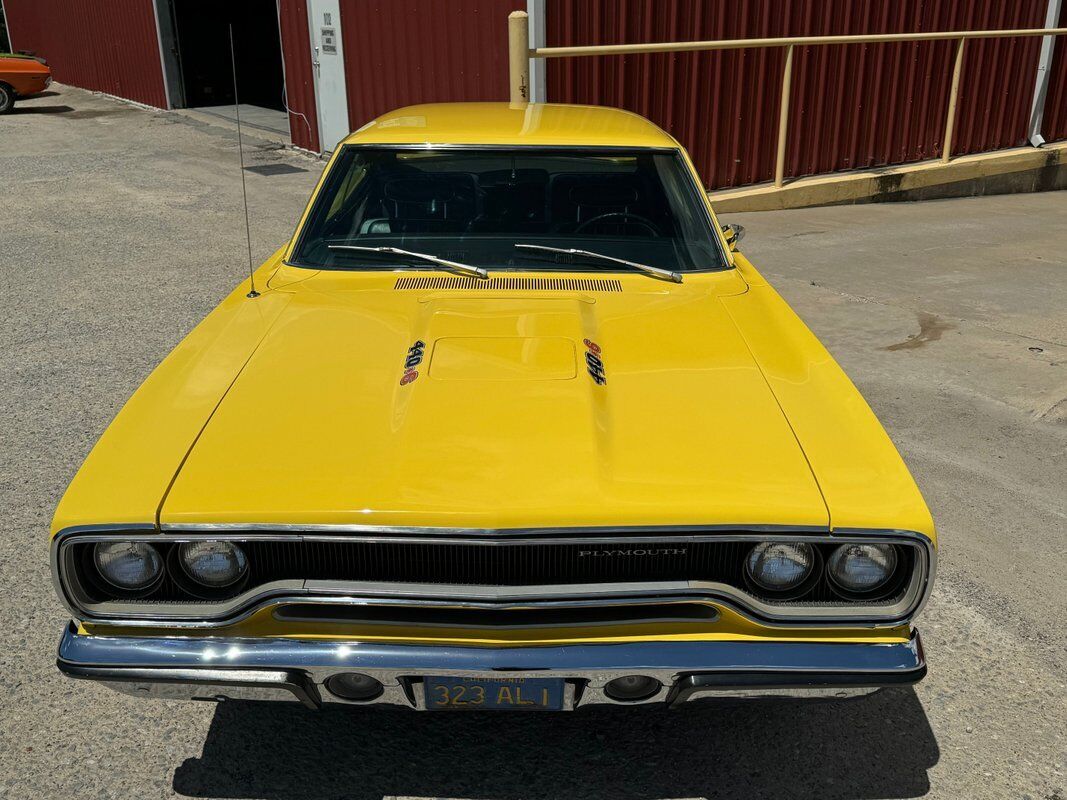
x: 734, y: 233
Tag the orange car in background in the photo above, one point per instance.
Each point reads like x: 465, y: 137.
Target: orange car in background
x: 21, y: 76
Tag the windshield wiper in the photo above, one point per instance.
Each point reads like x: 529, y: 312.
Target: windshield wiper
x: 456, y: 266
x: 655, y: 272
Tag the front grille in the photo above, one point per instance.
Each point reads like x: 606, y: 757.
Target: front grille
x: 529, y: 564
x: 496, y: 565
x: 521, y: 284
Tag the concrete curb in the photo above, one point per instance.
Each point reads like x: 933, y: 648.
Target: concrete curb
x: 1021, y: 169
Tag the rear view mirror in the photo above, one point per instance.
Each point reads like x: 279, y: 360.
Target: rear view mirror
x: 734, y: 233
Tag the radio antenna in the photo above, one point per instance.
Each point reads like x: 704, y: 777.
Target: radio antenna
x: 241, y: 155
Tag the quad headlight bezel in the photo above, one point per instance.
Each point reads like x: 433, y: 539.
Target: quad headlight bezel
x: 782, y: 570
x: 110, y: 558
x: 874, y: 567
x: 208, y: 569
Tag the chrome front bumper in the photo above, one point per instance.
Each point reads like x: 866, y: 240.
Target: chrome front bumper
x: 297, y: 669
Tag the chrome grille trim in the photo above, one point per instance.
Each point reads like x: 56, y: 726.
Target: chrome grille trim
x: 221, y: 614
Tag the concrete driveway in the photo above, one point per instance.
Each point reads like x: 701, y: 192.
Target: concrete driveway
x: 121, y: 228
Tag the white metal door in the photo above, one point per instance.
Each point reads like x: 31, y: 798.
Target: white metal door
x: 328, y: 64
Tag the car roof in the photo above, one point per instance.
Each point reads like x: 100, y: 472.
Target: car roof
x: 530, y: 124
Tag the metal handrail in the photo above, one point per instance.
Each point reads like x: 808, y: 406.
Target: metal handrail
x: 737, y: 44
x: 520, y: 53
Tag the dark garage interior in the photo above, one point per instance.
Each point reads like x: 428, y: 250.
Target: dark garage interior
x: 202, y: 53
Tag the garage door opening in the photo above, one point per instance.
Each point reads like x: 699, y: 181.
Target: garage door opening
x: 201, y: 63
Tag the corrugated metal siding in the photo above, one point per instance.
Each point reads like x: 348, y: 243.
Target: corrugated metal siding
x: 423, y: 51
x: 852, y: 106
x: 998, y: 76
x: 299, y: 79
x: 108, y: 47
x: 1054, y: 123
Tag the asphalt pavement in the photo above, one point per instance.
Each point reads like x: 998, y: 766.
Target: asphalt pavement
x: 121, y: 227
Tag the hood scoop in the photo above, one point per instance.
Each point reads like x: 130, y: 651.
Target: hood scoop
x: 516, y: 284
x: 510, y: 358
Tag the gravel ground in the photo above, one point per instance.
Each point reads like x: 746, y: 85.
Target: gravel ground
x: 122, y: 227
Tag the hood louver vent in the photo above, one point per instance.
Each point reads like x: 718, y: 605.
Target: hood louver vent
x: 524, y: 284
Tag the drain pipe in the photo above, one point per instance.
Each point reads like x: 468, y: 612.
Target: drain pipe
x: 1044, y: 71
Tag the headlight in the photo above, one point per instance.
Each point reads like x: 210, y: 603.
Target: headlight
x: 213, y: 564
x: 862, y: 567
x: 131, y: 566
x: 780, y: 566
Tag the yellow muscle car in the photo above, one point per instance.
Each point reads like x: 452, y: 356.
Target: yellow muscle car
x: 510, y: 423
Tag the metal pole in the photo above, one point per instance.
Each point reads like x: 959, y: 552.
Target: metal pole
x: 1044, y: 72
x: 783, y: 117
x: 953, y: 97
x: 241, y: 154
x: 538, y: 79
x: 519, y: 57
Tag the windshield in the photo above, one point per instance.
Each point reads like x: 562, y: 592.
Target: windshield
x: 474, y: 205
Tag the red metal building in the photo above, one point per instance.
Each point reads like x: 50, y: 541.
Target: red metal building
x: 400, y: 52
x: 340, y: 63
x: 110, y: 47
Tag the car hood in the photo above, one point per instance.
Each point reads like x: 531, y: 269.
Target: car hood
x: 23, y: 64
x: 504, y: 425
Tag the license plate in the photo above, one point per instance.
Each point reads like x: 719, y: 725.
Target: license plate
x: 495, y: 694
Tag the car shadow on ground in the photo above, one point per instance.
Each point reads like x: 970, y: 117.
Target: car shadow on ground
x: 22, y: 109
x: 870, y: 747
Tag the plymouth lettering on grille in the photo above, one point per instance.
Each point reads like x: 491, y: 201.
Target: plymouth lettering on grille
x: 658, y: 551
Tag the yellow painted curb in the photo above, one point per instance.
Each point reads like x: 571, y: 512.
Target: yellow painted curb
x: 865, y: 185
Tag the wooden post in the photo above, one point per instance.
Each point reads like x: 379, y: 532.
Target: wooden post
x: 519, y: 57
x: 783, y: 116
x: 953, y: 96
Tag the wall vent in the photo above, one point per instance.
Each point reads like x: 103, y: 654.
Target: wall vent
x: 522, y: 284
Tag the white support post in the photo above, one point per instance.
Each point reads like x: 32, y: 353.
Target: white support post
x: 168, y: 59
x: 1044, y: 72
x: 538, y: 80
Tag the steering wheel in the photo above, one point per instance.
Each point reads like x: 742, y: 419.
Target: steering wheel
x: 638, y: 220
